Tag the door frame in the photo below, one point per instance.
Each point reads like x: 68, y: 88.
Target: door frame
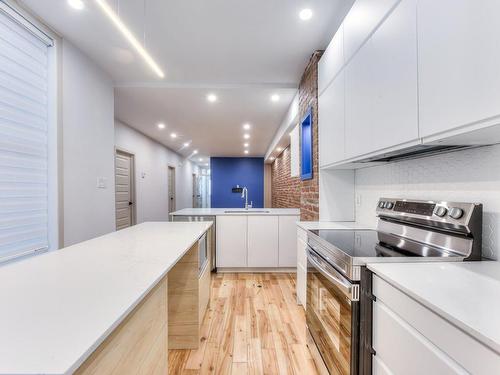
x: 121, y: 150
x: 171, y: 166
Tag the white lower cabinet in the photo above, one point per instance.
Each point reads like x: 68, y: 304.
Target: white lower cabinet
x: 231, y: 241
x: 256, y: 241
x: 408, y: 338
x: 263, y: 241
x: 301, y: 267
x: 287, y: 255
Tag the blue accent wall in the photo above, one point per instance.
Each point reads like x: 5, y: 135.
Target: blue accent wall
x: 226, y: 173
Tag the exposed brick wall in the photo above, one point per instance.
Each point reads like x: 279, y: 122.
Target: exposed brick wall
x: 285, y: 189
x: 308, y: 97
x: 285, y: 194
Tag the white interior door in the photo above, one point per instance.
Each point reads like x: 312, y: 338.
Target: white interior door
x: 124, y: 183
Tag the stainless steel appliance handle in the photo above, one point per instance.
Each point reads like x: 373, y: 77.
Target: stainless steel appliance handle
x: 332, y: 275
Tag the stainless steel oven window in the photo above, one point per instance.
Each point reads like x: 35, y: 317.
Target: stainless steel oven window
x: 332, y: 315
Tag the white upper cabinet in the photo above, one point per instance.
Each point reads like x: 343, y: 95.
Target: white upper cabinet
x: 458, y: 63
x: 381, y: 86
x: 332, y: 122
x: 360, y: 22
x: 332, y: 60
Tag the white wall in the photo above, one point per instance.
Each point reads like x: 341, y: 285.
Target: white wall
x: 466, y: 176
x: 88, y: 147
x: 151, y: 161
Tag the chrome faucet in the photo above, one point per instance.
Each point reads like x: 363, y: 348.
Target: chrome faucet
x: 244, y: 194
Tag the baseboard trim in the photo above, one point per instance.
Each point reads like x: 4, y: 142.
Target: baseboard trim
x: 256, y: 269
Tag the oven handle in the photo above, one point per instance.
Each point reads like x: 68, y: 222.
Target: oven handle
x: 333, y: 276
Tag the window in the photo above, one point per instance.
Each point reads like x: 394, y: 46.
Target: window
x: 25, y: 116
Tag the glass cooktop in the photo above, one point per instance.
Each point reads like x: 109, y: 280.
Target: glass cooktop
x: 372, y: 243
x: 355, y: 243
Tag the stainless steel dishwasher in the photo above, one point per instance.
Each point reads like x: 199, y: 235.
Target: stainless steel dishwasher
x: 211, y: 233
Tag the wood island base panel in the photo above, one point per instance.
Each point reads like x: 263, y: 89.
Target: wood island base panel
x: 139, y: 345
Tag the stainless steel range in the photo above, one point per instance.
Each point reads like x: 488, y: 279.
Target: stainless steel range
x: 339, y: 295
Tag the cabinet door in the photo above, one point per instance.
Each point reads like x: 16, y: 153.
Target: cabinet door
x: 262, y: 241
x: 301, y: 285
x: 362, y: 19
x: 287, y: 256
x: 331, y: 122
x: 415, y: 355
x: 458, y: 63
x: 301, y: 268
x: 332, y: 60
x: 381, y: 86
x: 231, y: 241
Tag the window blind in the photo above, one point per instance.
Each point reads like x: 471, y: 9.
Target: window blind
x: 23, y: 137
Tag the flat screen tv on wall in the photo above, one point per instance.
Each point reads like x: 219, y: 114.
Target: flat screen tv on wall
x: 306, y: 147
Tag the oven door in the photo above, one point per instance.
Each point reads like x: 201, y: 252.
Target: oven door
x: 332, y: 315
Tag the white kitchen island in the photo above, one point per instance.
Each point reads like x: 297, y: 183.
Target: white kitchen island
x: 102, y: 302
x: 257, y: 239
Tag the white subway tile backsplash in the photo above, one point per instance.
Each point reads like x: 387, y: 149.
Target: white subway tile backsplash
x: 467, y: 176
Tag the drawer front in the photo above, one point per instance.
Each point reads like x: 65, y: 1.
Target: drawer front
x: 379, y: 367
x: 469, y: 353
x: 404, y: 350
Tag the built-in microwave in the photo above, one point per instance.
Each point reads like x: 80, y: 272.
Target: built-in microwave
x: 202, y: 253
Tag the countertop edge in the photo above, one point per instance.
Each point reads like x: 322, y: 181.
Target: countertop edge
x: 469, y: 330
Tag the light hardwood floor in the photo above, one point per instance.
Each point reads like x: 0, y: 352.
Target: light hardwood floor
x: 253, y: 326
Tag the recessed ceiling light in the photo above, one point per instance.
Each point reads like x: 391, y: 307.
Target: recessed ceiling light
x: 245, y: 144
x: 200, y: 159
x: 305, y: 14
x: 195, y: 152
x: 212, y: 98
x: 76, y: 4
x: 246, y: 126
x: 186, y: 144
x: 161, y: 125
x: 173, y: 135
x: 279, y: 149
x: 246, y: 151
x: 275, y: 97
x: 271, y: 158
x: 246, y: 136
x: 129, y: 36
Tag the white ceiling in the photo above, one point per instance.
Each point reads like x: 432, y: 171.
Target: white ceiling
x: 242, y: 50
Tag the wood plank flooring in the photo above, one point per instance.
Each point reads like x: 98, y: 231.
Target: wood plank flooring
x: 253, y: 326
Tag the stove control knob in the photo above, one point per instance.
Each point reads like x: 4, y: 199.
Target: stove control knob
x: 389, y: 205
x: 456, y: 213
x: 440, y: 211
x: 381, y: 204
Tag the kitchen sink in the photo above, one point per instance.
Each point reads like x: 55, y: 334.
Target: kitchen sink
x: 246, y: 211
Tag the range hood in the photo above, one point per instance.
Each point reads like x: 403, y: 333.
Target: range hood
x: 413, y: 152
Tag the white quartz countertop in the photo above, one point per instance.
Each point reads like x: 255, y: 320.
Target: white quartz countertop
x: 237, y: 211
x: 316, y: 225
x: 466, y: 294
x: 57, y: 308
